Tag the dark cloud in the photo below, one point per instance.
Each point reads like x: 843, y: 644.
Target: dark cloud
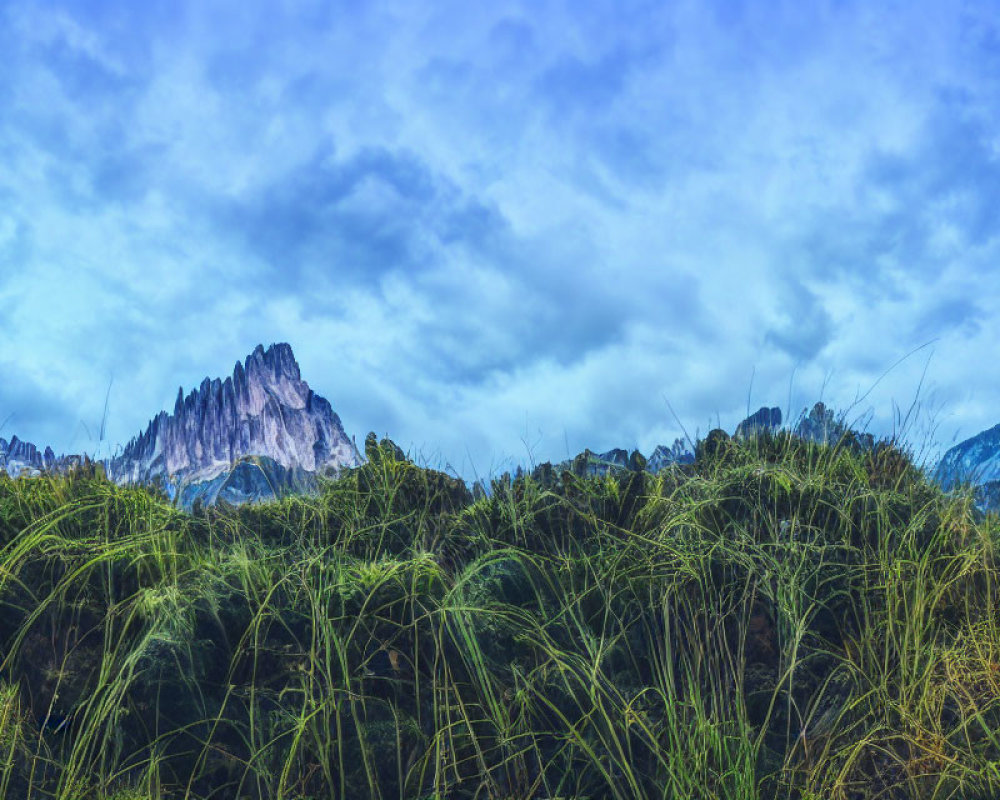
x: 359, y: 218
x: 353, y: 222
x: 16, y: 237
x: 573, y: 85
x: 512, y: 41
x: 959, y: 313
x: 916, y: 210
x: 632, y: 155
x: 81, y: 76
x: 804, y: 326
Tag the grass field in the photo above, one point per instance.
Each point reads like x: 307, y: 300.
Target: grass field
x: 780, y: 619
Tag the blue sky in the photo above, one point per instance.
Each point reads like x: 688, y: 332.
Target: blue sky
x: 506, y: 231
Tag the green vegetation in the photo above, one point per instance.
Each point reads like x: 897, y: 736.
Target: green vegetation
x: 779, y: 619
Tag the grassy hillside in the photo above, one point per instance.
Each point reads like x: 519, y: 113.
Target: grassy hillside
x: 779, y: 619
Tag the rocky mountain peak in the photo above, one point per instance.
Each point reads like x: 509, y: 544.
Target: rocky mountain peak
x: 820, y: 425
x: 263, y: 409
x: 663, y: 457
x: 764, y: 419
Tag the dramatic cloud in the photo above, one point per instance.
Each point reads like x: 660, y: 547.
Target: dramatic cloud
x: 506, y: 233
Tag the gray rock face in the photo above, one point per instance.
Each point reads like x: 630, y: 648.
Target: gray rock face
x: 250, y: 479
x: 264, y: 409
x: 820, y: 425
x: 975, y: 461
x: 17, y: 457
x: 616, y: 457
x: 24, y: 458
x: 764, y: 419
x: 618, y: 461
x: 662, y: 457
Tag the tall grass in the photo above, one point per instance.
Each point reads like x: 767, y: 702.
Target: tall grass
x: 780, y: 619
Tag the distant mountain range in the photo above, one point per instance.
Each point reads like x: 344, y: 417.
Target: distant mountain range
x: 17, y: 458
x: 263, y: 433
x: 818, y: 425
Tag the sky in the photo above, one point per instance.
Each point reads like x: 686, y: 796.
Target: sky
x: 503, y: 232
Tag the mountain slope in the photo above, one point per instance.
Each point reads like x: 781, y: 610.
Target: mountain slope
x: 975, y: 461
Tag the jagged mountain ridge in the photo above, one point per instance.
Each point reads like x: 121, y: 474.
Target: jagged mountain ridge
x: 17, y: 457
x: 818, y: 424
x: 264, y: 409
x: 260, y: 433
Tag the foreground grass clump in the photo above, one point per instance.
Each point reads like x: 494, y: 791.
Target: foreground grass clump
x: 779, y: 619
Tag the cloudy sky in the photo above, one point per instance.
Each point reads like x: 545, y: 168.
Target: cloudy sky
x: 502, y: 232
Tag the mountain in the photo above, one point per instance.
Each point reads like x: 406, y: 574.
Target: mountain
x: 264, y: 410
x: 260, y: 433
x: 18, y: 457
x: 818, y: 425
x: 24, y: 458
x: 975, y: 461
x: 765, y: 419
x: 662, y: 457
x: 615, y: 461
